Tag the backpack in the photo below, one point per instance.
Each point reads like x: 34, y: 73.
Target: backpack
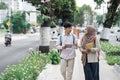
x: 95, y: 45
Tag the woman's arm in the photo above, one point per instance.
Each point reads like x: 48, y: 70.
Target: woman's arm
x: 84, y: 51
x: 97, y: 46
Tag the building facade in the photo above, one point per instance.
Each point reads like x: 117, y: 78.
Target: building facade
x: 18, y: 5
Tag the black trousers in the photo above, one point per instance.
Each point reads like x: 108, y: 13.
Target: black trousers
x: 91, y: 71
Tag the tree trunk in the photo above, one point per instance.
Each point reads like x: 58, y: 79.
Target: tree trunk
x: 109, y: 19
x: 45, y: 31
x: 45, y: 37
x: 111, y: 13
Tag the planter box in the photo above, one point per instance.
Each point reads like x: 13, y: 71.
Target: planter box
x: 117, y: 68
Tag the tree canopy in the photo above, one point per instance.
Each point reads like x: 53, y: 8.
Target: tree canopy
x: 82, y: 14
x: 3, y: 5
x: 56, y: 9
x: 65, y: 9
x: 112, y: 13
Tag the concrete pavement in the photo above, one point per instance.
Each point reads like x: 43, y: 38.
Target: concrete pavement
x: 52, y: 72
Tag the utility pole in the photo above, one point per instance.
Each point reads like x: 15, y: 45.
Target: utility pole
x: 9, y: 22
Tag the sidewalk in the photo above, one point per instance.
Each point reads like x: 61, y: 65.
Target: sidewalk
x: 52, y: 72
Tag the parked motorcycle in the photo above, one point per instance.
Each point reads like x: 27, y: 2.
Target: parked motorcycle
x: 7, y: 41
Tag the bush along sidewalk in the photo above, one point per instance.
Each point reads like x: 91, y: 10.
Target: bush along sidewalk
x: 54, y: 56
x: 28, y: 69
x: 112, y: 53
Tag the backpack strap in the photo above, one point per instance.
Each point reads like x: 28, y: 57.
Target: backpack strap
x: 60, y: 39
x: 73, y: 37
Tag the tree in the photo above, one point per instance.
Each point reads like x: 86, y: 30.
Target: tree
x: 64, y: 9
x: 99, y: 19
x: 52, y: 10
x: 56, y: 9
x: 110, y: 17
x: 83, y: 14
x: 79, y: 17
x: 116, y: 20
x: 112, y: 10
x: 18, y: 21
x: 88, y: 14
x: 45, y: 17
x: 111, y: 13
x: 3, y: 5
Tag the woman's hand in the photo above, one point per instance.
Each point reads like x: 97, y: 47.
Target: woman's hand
x: 88, y: 50
x: 84, y: 51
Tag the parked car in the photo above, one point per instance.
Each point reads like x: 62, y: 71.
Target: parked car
x: 99, y: 30
x: 114, y: 30
x: 118, y: 35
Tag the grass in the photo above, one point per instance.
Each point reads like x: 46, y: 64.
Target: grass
x: 2, y: 31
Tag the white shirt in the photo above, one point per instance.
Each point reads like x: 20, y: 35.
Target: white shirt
x: 68, y: 53
x: 8, y: 35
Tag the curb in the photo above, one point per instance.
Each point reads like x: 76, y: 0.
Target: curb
x: 117, y: 69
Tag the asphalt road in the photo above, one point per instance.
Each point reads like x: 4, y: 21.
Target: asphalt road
x: 18, y: 51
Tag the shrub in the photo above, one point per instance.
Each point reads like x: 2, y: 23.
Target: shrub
x: 18, y: 23
x: 110, y: 49
x: 54, y: 56
x: 112, y: 52
x: 111, y: 60
x: 28, y: 69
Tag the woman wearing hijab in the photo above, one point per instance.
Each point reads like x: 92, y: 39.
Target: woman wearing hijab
x: 90, y: 58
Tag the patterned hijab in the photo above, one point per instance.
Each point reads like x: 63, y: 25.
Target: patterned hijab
x: 89, y: 37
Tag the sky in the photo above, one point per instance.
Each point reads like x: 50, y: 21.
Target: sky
x: 93, y: 4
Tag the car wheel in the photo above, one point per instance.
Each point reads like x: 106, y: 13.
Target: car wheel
x: 117, y: 39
